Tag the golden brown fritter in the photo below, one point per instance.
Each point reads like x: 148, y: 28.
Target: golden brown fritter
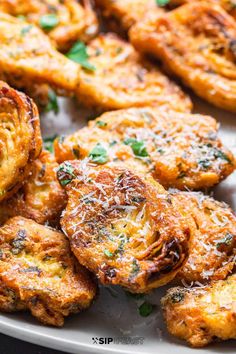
x: 202, y: 315
x: 20, y: 139
x: 122, y: 226
x: 212, y: 252
x: 180, y: 150
x: 228, y: 5
x: 123, y: 79
x: 39, y: 273
x: 197, y: 43
x: 63, y: 21
x: 126, y: 13
x: 28, y: 58
x: 41, y: 198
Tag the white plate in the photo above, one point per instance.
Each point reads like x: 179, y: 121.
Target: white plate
x: 115, y: 315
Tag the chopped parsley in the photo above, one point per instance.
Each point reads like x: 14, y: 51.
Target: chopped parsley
x: 48, y: 143
x: 99, y: 154
x: 65, y: 173
x: 137, y: 146
x: 25, y: 30
x: 221, y: 155
x: 162, y: 2
x: 52, y: 102
x: 78, y: 53
x: 225, y: 241
x: 108, y: 253
x: 100, y: 123
x: 135, y: 268
x: 48, y: 22
x: 145, y: 309
x: 177, y: 297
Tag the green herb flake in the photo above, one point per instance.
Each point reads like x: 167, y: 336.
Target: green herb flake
x: 135, y: 268
x: 78, y: 53
x: 221, y: 155
x: 225, y: 241
x: 137, y: 146
x: 145, y: 309
x: 177, y: 297
x: 99, y: 154
x: 21, y: 17
x: 162, y: 2
x: 52, y: 102
x: 25, y: 30
x: 100, y: 123
x: 108, y: 253
x: 48, y: 22
x: 204, y: 163
x: 65, y: 173
x: 48, y: 143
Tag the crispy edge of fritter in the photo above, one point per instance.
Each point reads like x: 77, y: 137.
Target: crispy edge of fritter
x: 26, y: 110
x: 41, y: 198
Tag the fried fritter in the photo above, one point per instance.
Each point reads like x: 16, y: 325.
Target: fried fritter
x: 202, y: 315
x: 180, y: 150
x: 212, y: 254
x: 28, y: 58
x: 41, y: 198
x: 228, y: 5
x: 122, y: 226
x: 128, y: 12
x: 197, y: 43
x: 38, y: 273
x: 123, y: 79
x: 63, y: 21
x: 20, y: 139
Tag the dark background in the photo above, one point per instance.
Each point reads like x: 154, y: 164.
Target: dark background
x: 11, y: 345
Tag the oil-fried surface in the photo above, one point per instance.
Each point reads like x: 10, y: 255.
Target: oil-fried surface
x: 180, y: 150
x: 201, y: 315
x: 123, y: 79
x: 28, y: 58
x: 20, y: 139
x: 197, y: 43
x: 212, y: 252
x: 122, y: 227
x: 41, y: 198
x: 128, y: 12
x: 73, y: 20
x: 228, y: 5
x: 39, y: 273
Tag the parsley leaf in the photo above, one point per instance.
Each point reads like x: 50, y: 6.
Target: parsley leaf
x: 145, y: 309
x: 99, y: 154
x: 52, y: 103
x: 100, y: 123
x: 25, y: 30
x: 65, y: 173
x: 108, y: 253
x: 78, y: 53
x: 137, y: 146
x: 48, y: 22
x: 162, y: 2
x: 48, y: 143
